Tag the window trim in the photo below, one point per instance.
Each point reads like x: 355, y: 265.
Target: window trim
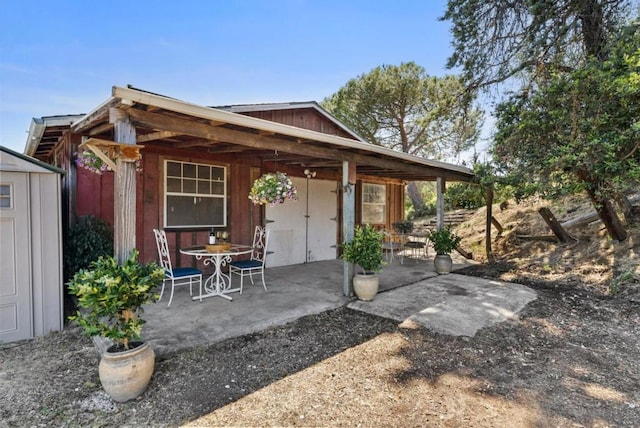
x: 166, y: 194
x: 9, y: 197
x: 383, y: 204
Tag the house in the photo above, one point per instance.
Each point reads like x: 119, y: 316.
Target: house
x: 31, y: 287
x: 198, y: 164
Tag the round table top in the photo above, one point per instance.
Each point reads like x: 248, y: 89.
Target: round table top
x: 236, y: 249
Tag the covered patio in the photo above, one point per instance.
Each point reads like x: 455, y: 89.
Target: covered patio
x: 411, y: 293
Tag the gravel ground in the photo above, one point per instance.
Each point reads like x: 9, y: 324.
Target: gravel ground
x: 572, y: 359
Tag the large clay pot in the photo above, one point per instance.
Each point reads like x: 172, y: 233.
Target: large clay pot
x: 443, y: 263
x: 125, y: 375
x: 365, y: 286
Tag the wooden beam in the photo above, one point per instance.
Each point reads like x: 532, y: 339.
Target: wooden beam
x: 124, y: 189
x: 488, y: 223
x: 348, y: 222
x: 556, y: 228
x: 160, y: 135
x: 440, y: 187
x: 203, y: 130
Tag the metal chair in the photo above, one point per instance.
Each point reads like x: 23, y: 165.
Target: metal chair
x: 177, y: 276
x: 256, y: 263
x: 418, y: 246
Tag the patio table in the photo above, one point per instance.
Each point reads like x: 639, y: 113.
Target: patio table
x: 218, y: 283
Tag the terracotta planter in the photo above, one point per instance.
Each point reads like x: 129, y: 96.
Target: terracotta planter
x: 443, y: 263
x: 365, y: 286
x: 125, y: 375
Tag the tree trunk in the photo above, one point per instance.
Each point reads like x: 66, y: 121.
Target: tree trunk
x: 608, y: 215
x: 488, y: 225
x: 604, y: 208
x: 416, y: 197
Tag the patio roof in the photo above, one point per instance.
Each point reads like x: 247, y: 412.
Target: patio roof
x: 168, y: 122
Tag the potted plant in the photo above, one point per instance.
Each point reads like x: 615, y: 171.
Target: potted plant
x: 273, y: 189
x: 365, y: 250
x: 403, y: 227
x: 110, y: 298
x: 444, y: 242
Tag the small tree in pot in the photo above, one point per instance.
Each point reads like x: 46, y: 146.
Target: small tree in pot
x: 365, y: 250
x: 110, y: 298
x: 444, y: 242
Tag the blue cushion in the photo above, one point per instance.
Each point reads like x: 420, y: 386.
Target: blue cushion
x: 185, y: 271
x: 246, y: 264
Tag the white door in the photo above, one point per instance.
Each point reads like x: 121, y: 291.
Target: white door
x: 295, y: 238
x: 15, y: 294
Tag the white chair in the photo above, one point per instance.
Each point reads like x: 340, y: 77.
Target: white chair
x: 177, y: 276
x: 390, y: 246
x: 256, y: 263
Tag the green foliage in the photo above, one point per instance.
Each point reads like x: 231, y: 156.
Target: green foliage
x: 111, y: 295
x: 88, y: 239
x: 528, y: 40
x: 365, y: 249
x: 465, y: 196
x: 404, y: 109
x: 444, y: 240
x: 403, y: 227
x: 580, y: 131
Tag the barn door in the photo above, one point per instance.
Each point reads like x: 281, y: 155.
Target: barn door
x: 294, y: 237
x: 15, y: 292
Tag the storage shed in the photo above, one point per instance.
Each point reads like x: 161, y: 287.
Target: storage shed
x: 31, y: 285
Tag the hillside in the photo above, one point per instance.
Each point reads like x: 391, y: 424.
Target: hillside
x: 594, y: 262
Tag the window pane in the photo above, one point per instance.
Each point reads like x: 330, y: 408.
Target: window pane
x: 174, y: 185
x: 5, y: 196
x: 217, y: 188
x: 203, y: 187
x: 174, y: 169
x: 204, y: 172
x: 188, y: 186
x: 194, y: 211
x: 188, y: 170
x: 217, y: 174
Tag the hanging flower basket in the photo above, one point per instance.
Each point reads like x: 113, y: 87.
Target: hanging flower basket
x: 90, y: 161
x: 272, y: 188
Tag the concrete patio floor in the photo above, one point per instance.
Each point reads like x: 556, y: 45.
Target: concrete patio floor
x: 410, y: 293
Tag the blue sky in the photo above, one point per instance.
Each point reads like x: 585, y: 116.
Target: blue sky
x: 63, y: 57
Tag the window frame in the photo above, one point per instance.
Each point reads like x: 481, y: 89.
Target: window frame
x: 8, y: 197
x: 167, y: 194
x: 364, y: 204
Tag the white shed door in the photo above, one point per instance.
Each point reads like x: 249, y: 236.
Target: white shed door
x: 290, y: 240
x: 15, y: 295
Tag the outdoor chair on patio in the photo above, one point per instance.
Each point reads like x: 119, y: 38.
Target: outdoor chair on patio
x: 256, y: 263
x: 391, y: 246
x: 177, y: 276
x: 418, y: 245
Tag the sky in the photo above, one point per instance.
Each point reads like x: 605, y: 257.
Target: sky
x: 63, y: 57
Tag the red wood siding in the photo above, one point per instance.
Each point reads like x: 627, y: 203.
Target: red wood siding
x: 306, y: 118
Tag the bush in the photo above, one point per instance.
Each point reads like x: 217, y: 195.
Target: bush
x: 87, y: 240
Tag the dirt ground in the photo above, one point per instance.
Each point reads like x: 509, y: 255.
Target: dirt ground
x: 572, y: 359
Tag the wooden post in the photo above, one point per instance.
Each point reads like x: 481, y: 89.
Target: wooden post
x: 440, y: 187
x: 555, y: 226
x: 124, y: 189
x: 497, y: 225
x: 348, y: 219
x: 488, y: 223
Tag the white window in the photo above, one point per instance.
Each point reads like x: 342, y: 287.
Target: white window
x: 6, y: 201
x: 195, y: 195
x: 373, y: 203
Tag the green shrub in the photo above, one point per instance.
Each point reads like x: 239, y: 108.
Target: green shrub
x: 111, y: 295
x: 365, y: 249
x: 87, y: 240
